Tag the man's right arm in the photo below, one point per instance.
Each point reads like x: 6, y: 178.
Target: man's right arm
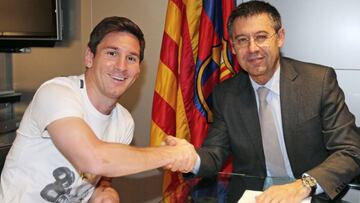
x: 78, y: 143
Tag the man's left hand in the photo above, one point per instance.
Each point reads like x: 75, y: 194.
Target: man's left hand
x: 293, y: 192
x: 105, y: 195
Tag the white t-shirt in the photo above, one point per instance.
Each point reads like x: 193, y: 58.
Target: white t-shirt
x: 35, y: 171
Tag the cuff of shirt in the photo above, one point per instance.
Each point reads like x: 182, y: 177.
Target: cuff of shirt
x: 196, y: 168
x: 318, y: 189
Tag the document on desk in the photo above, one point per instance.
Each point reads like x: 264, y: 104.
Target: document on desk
x: 249, y: 197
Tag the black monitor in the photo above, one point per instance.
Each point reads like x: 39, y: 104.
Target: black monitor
x: 29, y: 23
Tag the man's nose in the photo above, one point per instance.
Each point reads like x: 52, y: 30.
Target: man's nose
x: 121, y: 63
x: 252, y: 45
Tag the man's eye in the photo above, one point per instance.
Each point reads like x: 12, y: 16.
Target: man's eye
x: 261, y: 38
x: 132, y: 58
x: 242, y: 40
x: 111, y: 53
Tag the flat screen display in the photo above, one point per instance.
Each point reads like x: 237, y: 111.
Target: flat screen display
x: 29, y: 21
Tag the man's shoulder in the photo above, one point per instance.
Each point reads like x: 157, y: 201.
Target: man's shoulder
x: 240, y: 80
x: 302, y: 68
x: 297, y: 64
x: 69, y: 83
x: 60, y: 87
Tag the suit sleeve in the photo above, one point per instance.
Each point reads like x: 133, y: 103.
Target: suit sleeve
x: 341, y: 137
x: 215, y: 148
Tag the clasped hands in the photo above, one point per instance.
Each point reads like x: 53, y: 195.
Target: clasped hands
x: 183, y: 155
x: 184, y: 158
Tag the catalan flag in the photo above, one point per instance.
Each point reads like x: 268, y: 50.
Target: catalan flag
x: 195, y: 56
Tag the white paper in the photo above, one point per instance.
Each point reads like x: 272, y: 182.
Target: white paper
x: 249, y: 197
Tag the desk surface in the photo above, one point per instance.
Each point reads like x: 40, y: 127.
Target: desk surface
x: 220, y: 189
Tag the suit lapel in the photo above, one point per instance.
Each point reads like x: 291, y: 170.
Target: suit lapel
x: 249, y: 116
x: 290, y: 98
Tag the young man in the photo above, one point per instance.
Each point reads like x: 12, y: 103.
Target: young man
x: 74, y: 134
x: 315, y: 146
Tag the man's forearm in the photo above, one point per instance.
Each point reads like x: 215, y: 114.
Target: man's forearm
x: 114, y: 160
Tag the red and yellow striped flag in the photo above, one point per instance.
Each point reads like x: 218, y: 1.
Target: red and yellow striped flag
x: 194, y: 47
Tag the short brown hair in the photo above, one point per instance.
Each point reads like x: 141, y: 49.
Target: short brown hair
x: 115, y: 24
x: 252, y: 8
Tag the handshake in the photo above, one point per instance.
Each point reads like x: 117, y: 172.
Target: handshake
x: 183, y: 156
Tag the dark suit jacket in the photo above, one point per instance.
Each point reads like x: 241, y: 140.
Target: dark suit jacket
x: 320, y: 134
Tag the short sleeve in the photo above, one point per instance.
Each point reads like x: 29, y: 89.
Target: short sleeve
x: 54, y: 101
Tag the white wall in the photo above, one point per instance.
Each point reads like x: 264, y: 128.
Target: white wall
x: 328, y: 33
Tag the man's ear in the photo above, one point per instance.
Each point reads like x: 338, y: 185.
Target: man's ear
x: 232, y: 46
x: 281, y: 37
x: 89, y: 56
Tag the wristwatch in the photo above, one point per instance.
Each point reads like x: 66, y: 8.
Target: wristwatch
x: 309, y: 182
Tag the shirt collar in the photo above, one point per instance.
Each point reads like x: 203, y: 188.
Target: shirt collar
x: 273, y: 84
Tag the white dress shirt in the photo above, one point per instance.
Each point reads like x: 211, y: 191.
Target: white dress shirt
x: 273, y: 99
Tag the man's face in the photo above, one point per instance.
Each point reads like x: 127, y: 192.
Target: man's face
x: 257, y: 46
x: 115, y: 66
